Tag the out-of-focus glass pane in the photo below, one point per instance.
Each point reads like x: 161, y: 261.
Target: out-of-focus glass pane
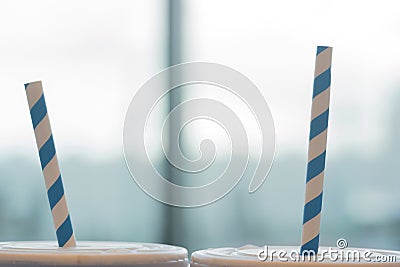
x: 274, y: 44
x: 92, y: 56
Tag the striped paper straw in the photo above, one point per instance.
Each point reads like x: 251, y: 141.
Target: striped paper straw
x: 317, y: 150
x: 48, y: 160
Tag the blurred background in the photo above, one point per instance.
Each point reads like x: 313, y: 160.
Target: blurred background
x: 92, y: 57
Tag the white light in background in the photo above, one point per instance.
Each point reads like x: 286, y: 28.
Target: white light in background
x: 91, y: 56
x: 274, y: 44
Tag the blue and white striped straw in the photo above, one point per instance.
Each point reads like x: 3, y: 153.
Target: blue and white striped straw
x: 50, y: 168
x: 317, y: 150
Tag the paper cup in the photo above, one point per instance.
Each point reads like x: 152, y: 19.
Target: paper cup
x: 112, y: 254
x: 252, y: 256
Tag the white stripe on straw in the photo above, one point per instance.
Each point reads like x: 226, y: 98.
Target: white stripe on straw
x: 48, y: 160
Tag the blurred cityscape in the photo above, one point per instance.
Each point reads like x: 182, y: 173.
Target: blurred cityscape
x: 361, y: 203
x: 92, y: 56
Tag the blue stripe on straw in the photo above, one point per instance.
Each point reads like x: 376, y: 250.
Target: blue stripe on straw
x: 310, y: 245
x: 316, y: 166
x: 47, y: 152
x: 38, y: 111
x: 322, y: 82
x: 319, y: 124
x: 55, y: 192
x: 312, y: 208
x: 64, y: 232
x: 320, y: 49
x: 26, y: 85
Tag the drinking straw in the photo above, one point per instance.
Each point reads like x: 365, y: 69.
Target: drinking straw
x: 317, y: 150
x: 49, y: 163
